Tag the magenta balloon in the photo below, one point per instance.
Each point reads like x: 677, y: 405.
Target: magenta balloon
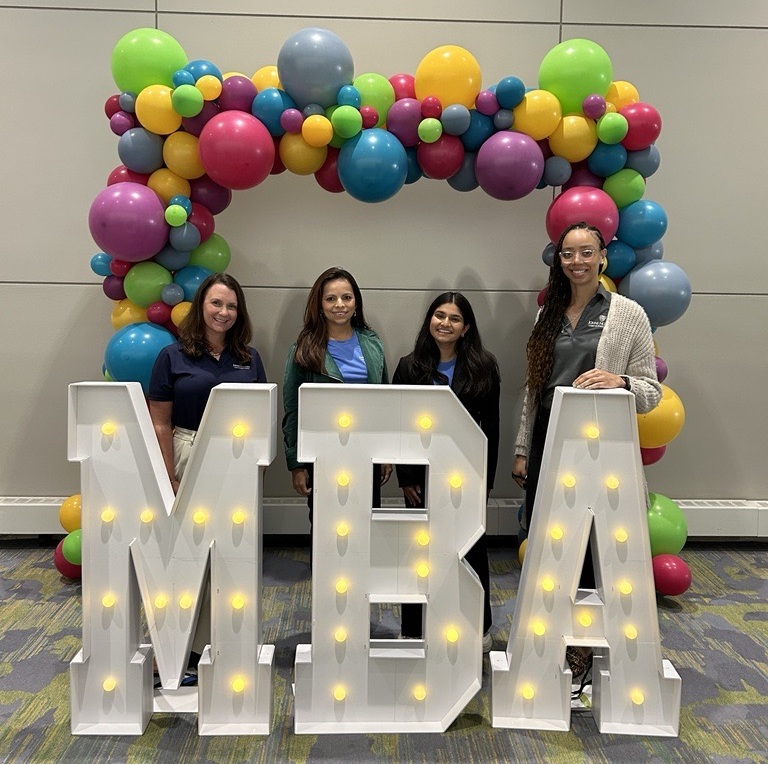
x: 195, y: 125
x: 671, y: 574
x: 593, y: 106
x: 661, y: 369
x: 509, y: 165
x: 652, y: 455
x: 113, y: 287
x: 403, y: 120
x: 236, y: 150
x: 127, y: 220
x: 237, y: 92
x: 441, y: 159
x: 582, y: 203
x: 63, y: 565
x: 486, y: 103
x: 581, y: 175
x: 210, y: 194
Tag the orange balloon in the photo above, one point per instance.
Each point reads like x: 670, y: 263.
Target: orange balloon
x: 663, y: 424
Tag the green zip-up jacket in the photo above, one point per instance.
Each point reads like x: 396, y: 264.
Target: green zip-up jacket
x: 296, y: 376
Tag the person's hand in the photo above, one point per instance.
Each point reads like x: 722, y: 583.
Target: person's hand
x: 412, y: 495
x: 520, y: 470
x: 597, y: 379
x: 300, y: 478
x: 386, y: 472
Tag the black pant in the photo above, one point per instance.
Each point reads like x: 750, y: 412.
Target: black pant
x: 535, y: 453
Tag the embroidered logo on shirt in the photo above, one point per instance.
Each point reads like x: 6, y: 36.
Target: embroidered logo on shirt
x: 239, y: 366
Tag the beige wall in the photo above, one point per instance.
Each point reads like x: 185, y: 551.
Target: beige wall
x: 700, y: 62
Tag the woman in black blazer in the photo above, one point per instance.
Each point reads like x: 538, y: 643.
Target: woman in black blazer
x: 449, y: 351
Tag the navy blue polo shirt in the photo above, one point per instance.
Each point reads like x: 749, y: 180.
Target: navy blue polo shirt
x: 188, y: 382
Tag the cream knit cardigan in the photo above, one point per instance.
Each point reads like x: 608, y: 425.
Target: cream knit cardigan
x: 625, y: 348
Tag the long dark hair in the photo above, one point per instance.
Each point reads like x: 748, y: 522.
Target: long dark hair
x: 313, y: 338
x: 192, y: 329
x: 541, y: 344
x: 478, y: 365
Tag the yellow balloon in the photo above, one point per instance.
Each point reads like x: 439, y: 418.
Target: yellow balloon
x: 574, y: 138
x: 179, y: 312
x: 127, y: 312
x: 181, y: 155
x: 266, y: 77
x: 621, y: 94
x: 607, y: 283
x: 299, y: 157
x: 317, y: 130
x: 70, y: 513
x: 209, y: 86
x: 451, y: 74
x: 663, y: 424
x: 167, y: 184
x: 538, y: 114
x: 521, y: 550
x: 154, y: 110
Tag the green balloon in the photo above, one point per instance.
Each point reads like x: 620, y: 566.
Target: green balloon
x: 573, y: 70
x: 624, y: 187
x: 146, y: 57
x: 430, y: 129
x: 187, y: 100
x: 377, y: 91
x: 667, y: 526
x: 175, y: 215
x: 213, y: 254
x: 347, y: 121
x: 72, y: 548
x: 144, y: 283
x: 611, y: 128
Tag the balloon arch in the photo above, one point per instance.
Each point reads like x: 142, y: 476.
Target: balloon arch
x: 189, y: 135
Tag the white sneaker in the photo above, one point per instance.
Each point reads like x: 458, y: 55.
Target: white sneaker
x: 487, y: 642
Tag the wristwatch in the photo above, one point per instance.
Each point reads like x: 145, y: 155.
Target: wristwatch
x: 627, y: 385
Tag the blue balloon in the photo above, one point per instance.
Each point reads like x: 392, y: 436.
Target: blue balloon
x: 480, y: 129
x: 621, y: 259
x: 503, y: 119
x: 349, y: 95
x: 100, y: 264
x: 557, y: 170
x: 185, y: 237
x: 131, y: 352
x: 641, y: 223
x: 313, y: 65
x: 172, y: 294
x: 268, y: 107
x: 663, y: 289
x: 183, y: 77
x: 455, y: 119
x: 414, y: 168
x: 509, y: 92
x: 465, y: 179
x: 646, y: 254
x: 607, y: 159
x: 645, y: 161
x: 200, y: 67
x: 182, y: 201
x: 190, y: 278
x: 141, y: 151
x: 172, y: 259
x: 127, y: 102
x: 373, y: 165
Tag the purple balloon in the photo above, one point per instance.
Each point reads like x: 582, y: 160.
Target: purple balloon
x: 237, y: 92
x: 210, y: 194
x: 195, y: 125
x: 121, y: 122
x: 403, y: 120
x: 291, y: 120
x: 509, y: 165
x: 486, y: 103
x: 113, y: 288
x: 661, y: 369
x: 127, y: 221
x: 593, y: 106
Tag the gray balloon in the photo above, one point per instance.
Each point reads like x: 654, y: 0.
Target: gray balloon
x: 663, y: 289
x: 172, y: 259
x: 141, y: 151
x: 312, y: 65
x: 503, y: 119
x: 172, y: 294
x: 557, y: 170
x: 645, y: 161
x: 464, y: 179
x: 455, y: 119
x: 185, y: 238
x: 646, y: 254
x: 548, y: 254
x: 313, y: 110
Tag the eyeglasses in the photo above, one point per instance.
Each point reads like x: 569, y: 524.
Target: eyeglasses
x: 586, y: 254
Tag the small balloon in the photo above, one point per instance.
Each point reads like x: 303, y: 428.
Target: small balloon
x: 671, y: 575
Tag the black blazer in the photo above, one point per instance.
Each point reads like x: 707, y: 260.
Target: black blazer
x: 483, y: 409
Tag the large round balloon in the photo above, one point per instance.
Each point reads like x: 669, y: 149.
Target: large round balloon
x: 213, y: 254
x: 451, y: 74
x: 662, y: 424
x: 376, y: 91
x: 131, y: 352
x: 146, y: 57
x: 624, y: 187
x: 573, y: 70
x: 644, y: 126
x: 144, y: 283
x: 372, y: 166
x: 236, y: 150
x: 442, y: 158
x: 582, y: 203
x: 667, y: 526
x: 313, y: 64
x: 189, y: 279
x: 642, y: 223
x: 403, y: 120
x: 661, y: 287
x: 127, y: 220
x: 140, y: 151
x: 671, y: 574
x: 509, y: 165
x: 538, y: 114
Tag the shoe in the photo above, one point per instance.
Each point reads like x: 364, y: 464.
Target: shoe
x: 487, y: 641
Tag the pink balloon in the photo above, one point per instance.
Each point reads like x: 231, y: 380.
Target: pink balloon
x: 486, y: 103
x: 594, y: 106
x: 64, y: 566
x: 202, y: 219
x: 541, y: 296
x: 431, y: 107
x: 661, y: 369
x: 291, y: 120
x: 652, y: 455
x: 671, y: 574
x: 327, y: 176
x: 403, y: 120
x: 121, y: 174
x: 127, y: 220
x: 644, y: 125
x: 582, y: 203
x: 509, y: 165
x: 237, y: 93
x: 404, y: 85
x: 370, y: 116
x: 121, y: 122
x: 159, y: 313
x: 236, y: 150
x: 112, y: 105
x: 210, y: 194
x: 441, y: 159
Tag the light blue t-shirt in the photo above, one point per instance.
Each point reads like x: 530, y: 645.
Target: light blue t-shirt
x: 349, y: 358
x: 447, y: 368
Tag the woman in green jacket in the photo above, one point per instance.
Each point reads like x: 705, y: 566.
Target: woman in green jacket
x: 336, y: 345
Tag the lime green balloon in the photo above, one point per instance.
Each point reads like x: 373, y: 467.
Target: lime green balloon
x: 667, y: 525
x: 144, y: 283
x: 187, y: 100
x: 430, y: 129
x: 624, y: 187
x: 573, y: 70
x: 611, y: 128
x: 377, y: 91
x: 213, y: 254
x: 72, y: 548
x: 347, y: 121
x: 175, y: 215
x: 146, y: 57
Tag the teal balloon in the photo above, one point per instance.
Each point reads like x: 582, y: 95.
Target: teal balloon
x: 131, y: 352
x: 373, y: 165
x: 667, y: 526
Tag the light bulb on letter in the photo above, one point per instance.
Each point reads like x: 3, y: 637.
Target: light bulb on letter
x: 342, y: 586
x: 342, y: 529
x: 238, y: 430
x: 238, y: 684
x: 345, y: 420
x: 425, y: 422
x: 107, y: 515
x: 343, y: 479
x: 422, y: 570
x: 527, y: 691
x: 146, y: 516
x: 455, y: 481
x: 339, y: 693
x: 108, y: 428
x: 420, y: 692
x: 452, y: 634
x: 593, y: 432
x: 569, y: 481
x: 238, y: 517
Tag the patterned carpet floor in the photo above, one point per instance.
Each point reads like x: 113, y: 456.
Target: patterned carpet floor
x: 715, y: 635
